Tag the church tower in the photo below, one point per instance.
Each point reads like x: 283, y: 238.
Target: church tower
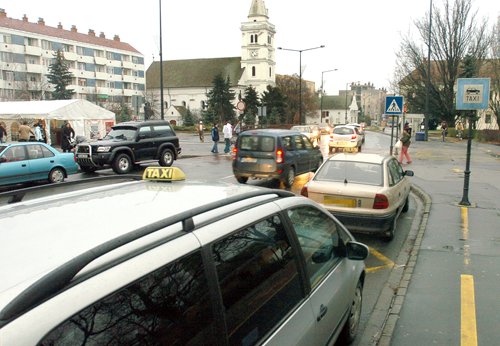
x: 257, y: 48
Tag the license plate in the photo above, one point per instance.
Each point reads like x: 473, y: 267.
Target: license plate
x: 341, y: 202
x: 82, y: 156
x: 248, y: 159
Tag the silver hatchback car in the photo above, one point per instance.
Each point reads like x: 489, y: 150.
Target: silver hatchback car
x: 165, y: 261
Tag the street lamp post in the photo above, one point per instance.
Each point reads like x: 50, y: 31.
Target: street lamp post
x: 428, y: 84
x: 302, y: 121
x: 322, y: 91
x: 345, y: 120
x: 161, y: 71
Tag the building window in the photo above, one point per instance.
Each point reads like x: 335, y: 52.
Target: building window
x: 253, y: 71
x: 270, y: 72
x: 487, y: 119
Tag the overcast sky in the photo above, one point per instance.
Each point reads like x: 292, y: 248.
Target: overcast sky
x: 360, y: 36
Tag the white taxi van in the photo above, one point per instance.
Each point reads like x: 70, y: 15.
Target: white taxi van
x: 167, y: 261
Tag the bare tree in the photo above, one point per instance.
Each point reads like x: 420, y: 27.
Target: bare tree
x: 455, y: 31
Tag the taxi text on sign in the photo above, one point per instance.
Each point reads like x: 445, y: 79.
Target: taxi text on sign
x: 394, y: 105
x: 472, y: 93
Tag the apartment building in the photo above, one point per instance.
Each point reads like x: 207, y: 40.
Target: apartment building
x: 105, y: 71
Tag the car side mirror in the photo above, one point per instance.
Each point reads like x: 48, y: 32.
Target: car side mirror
x: 356, y: 251
x: 139, y: 137
x: 408, y: 173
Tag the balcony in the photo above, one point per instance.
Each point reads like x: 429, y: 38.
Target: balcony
x: 31, y: 50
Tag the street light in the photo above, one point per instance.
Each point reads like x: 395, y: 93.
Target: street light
x: 161, y: 71
x: 428, y: 84
x: 346, y: 85
x: 302, y: 121
x: 321, y: 101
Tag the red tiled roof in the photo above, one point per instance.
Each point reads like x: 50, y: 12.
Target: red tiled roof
x: 42, y: 29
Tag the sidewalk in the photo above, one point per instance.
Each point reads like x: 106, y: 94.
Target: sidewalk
x: 451, y: 241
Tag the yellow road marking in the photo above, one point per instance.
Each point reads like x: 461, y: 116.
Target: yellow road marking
x: 468, y: 332
x: 387, y: 262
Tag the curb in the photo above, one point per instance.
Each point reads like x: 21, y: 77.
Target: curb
x: 381, y: 325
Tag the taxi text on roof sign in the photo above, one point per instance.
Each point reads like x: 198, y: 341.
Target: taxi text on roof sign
x: 163, y: 173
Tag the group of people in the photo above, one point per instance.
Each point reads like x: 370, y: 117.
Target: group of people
x: 38, y: 134
x: 227, y: 132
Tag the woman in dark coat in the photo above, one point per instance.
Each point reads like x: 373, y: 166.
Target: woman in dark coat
x: 67, y: 135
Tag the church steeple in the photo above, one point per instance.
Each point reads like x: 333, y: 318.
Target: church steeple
x: 257, y: 9
x: 257, y: 48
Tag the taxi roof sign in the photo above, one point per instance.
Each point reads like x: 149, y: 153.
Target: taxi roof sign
x: 159, y: 173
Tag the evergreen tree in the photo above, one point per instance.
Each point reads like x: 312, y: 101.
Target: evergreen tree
x: 60, y: 77
x: 188, y: 118
x: 275, y: 102
x: 220, y: 102
x: 252, y: 103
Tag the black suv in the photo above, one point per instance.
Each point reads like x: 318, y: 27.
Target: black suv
x: 128, y: 144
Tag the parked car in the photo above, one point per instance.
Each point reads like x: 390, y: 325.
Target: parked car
x: 166, y: 261
x: 22, y: 162
x: 361, y: 130
x: 129, y: 144
x: 366, y: 192
x: 345, y: 138
x: 311, y: 131
x: 274, y: 153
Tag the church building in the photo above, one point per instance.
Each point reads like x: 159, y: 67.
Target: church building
x: 187, y: 82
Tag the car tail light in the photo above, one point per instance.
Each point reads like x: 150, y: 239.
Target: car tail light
x: 380, y: 202
x: 304, y: 192
x: 235, y: 152
x: 279, y: 156
x: 354, y: 137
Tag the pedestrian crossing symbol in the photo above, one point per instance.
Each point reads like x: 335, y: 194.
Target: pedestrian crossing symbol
x: 394, y: 105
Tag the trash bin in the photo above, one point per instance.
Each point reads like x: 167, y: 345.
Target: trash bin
x: 420, y: 136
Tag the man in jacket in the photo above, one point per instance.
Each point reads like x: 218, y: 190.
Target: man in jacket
x: 25, y: 132
x: 228, y: 133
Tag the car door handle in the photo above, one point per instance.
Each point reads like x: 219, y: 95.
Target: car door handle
x: 23, y: 165
x: 322, y: 312
x: 51, y: 161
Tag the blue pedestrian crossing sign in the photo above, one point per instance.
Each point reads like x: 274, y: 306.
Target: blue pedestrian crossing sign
x: 394, y: 105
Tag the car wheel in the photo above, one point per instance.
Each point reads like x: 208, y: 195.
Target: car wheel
x: 242, y: 180
x: 350, y: 330
x: 56, y: 175
x: 407, y: 205
x: 389, y: 234
x: 122, y: 164
x: 290, y: 177
x: 166, y: 158
x: 87, y: 169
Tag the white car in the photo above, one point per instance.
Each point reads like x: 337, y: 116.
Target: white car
x: 171, y: 262
x: 366, y: 192
x: 345, y: 138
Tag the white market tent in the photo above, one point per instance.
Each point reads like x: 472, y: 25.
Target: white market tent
x: 83, y: 115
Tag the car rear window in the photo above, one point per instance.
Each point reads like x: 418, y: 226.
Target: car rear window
x: 257, y: 143
x: 343, y: 131
x: 351, y: 172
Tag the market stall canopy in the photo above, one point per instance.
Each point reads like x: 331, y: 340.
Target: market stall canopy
x: 83, y: 115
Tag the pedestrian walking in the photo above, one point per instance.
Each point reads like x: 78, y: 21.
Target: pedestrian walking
x: 68, y: 134
x: 227, y: 130
x: 215, y: 138
x: 3, y: 134
x: 25, y: 132
x: 39, y: 133
x: 444, y: 129
x: 460, y: 129
x: 200, y: 131
x: 406, y: 141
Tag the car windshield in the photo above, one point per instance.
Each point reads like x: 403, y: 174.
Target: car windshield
x: 256, y: 143
x: 343, y: 131
x: 351, y: 172
x: 122, y: 133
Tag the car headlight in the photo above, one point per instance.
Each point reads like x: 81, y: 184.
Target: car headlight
x: 103, y: 149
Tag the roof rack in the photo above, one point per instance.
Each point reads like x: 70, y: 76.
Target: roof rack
x: 60, y: 277
x: 19, y: 195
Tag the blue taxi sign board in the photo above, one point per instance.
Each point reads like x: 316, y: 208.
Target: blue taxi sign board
x: 394, y: 105
x: 473, y: 93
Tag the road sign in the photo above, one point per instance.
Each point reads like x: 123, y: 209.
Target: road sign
x: 241, y: 105
x: 394, y: 105
x: 472, y: 93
